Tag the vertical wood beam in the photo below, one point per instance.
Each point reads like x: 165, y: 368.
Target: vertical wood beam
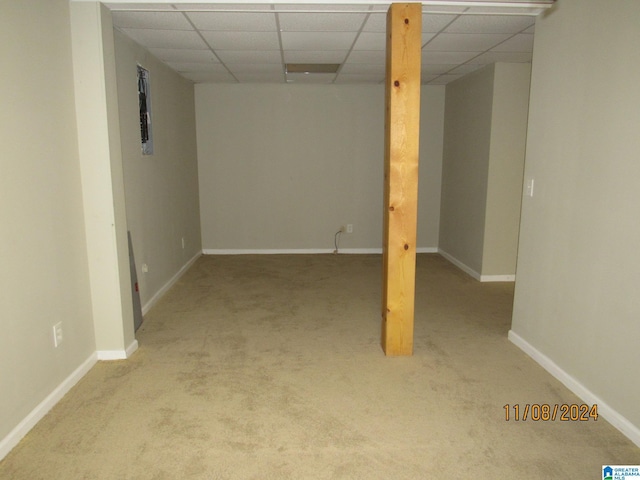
x: 402, y: 131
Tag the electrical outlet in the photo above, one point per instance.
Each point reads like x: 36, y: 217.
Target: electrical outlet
x: 145, y: 268
x: 57, y: 334
x: 349, y: 228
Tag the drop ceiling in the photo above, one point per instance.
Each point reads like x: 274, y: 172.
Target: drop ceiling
x: 252, y: 42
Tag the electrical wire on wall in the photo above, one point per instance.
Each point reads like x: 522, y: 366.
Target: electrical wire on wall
x: 336, y: 239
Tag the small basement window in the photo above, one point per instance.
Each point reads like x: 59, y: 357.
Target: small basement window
x: 144, y: 100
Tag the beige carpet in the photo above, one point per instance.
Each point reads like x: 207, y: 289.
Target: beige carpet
x: 269, y: 367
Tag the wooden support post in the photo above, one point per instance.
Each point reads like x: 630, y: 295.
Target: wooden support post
x: 402, y: 131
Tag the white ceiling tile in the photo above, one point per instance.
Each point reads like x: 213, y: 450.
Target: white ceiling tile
x: 357, y: 79
x: 443, y: 79
x: 220, y: 6
x: 513, y: 57
x: 377, y: 22
x: 377, y: 57
x: 437, y: 68
x: 310, y: 78
x: 165, y: 38
x: 487, y: 10
x: 197, y: 67
x: 522, y: 42
x: 317, y: 40
x: 180, y: 55
x: 434, y: 23
x: 489, y: 24
x: 242, y: 40
x: 309, y: 56
x: 378, y: 41
x: 363, y: 68
x: 427, y: 78
x: 250, y: 56
x: 209, y: 77
x: 371, y: 41
x: 430, y: 23
x: 152, y: 20
x: 321, y: 22
x: 466, y: 68
x: 323, y: 7
x: 260, y: 77
x: 426, y: 37
x: 446, y: 57
x: 139, y: 6
x: 442, y: 9
x: 464, y: 42
x: 234, y: 21
x: 256, y: 68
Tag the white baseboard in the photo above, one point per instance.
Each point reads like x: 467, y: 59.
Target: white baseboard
x: 497, y: 278
x: 427, y: 250
x: 265, y: 251
x: 473, y: 273
x: 468, y: 270
x: 360, y: 251
x: 118, y: 354
x: 153, y: 300
x: 305, y: 251
x: 607, y: 412
x: 11, y: 440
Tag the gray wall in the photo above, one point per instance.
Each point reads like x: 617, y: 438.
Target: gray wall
x: 577, y: 308
x: 282, y: 167
x: 465, y: 167
x: 161, y: 190
x: 484, y: 142
x: 44, y: 277
x: 509, y: 116
x: 432, y: 105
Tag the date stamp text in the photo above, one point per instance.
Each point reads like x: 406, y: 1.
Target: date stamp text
x: 566, y: 412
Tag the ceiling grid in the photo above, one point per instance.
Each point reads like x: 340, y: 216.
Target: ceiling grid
x: 253, y: 42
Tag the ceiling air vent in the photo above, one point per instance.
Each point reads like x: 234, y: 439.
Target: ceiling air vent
x: 312, y: 67
x: 311, y: 72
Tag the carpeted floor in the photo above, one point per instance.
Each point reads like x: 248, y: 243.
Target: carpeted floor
x: 270, y: 367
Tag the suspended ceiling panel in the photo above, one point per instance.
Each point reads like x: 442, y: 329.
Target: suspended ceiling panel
x: 253, y: 42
